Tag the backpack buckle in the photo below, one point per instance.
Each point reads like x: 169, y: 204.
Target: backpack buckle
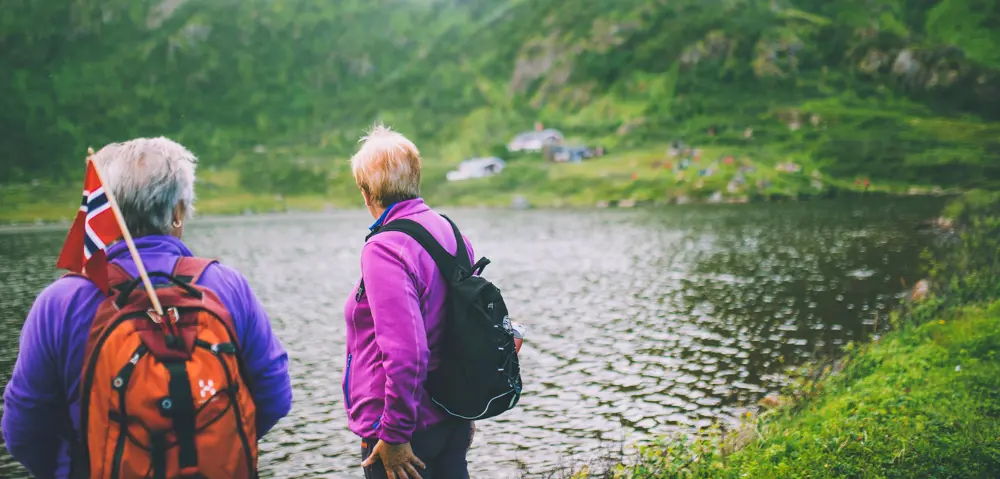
x: 153, y: 315
x: 173, y: 314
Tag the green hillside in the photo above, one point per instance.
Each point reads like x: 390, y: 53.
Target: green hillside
x: 272, y: 95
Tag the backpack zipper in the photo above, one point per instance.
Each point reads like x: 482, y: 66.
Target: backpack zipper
x: 240, y: 427
x: 88, y: 382
x: 116, y: 461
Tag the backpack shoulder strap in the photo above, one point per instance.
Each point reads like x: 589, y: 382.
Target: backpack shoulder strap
x: 189, y: 269
x: 445, y: 262
x: 117, y: 275
x: 461, y: 252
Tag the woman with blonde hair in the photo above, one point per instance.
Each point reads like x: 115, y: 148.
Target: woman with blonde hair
x: 395, y: 323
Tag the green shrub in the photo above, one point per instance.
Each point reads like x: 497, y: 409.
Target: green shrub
x: 967, y: 271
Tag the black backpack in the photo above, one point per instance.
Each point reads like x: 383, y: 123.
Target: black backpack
x: 479, y: 376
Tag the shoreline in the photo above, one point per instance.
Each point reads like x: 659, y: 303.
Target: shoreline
x: 640, y: 176
x: 903, y: 405
x: 919, y: 400
x: 234, y: 211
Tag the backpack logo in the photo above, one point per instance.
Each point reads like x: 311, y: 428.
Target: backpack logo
x: 207, y: 388
x: 507, y: 325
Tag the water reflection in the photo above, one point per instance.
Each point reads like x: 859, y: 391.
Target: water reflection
x: 640, y: 321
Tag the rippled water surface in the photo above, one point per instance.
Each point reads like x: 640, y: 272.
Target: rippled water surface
x: 641, y: 321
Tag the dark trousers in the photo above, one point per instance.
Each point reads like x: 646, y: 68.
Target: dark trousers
x: 442, y: 449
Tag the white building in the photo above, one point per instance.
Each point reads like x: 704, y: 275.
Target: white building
x: 477, y: 168
x: 535, y: 140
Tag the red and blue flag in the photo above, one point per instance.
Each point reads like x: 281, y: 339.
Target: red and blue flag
x: 93, y: 230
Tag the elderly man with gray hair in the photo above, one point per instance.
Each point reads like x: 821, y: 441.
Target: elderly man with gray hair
x: 153, y: 181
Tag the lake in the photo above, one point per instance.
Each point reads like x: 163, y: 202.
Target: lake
x: 641, y: 322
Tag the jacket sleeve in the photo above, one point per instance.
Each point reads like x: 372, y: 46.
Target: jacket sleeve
x: 400, y: 335
x: 265, y: 358
x: 33, y: 398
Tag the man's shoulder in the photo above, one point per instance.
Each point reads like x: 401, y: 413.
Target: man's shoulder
x: 232, y: 288
x: 66, y: 288
x: 223, y: 278
x: 68, y: 299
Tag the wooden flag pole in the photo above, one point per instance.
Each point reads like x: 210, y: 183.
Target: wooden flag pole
x: 127, y: 236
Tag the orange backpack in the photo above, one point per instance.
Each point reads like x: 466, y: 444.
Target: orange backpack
x: 165, y: 397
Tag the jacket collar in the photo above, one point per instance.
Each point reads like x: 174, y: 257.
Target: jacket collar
x: 403, y: 209
x: 157, y: 244
x: 381, y: 219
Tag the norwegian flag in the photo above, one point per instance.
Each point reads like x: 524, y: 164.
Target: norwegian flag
x: 94, y: 228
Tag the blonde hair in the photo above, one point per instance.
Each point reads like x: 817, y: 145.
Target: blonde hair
x: 387, y: 166
x: 149, y: 178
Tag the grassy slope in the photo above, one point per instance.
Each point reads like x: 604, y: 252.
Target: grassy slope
x: 922, y: 402
x: 630, y: 75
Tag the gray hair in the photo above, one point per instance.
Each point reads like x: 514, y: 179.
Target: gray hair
x: 149, y: 177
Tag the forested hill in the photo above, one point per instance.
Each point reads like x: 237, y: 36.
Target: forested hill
x: 887, y: 88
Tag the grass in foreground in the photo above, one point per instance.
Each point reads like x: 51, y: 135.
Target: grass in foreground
x: 922, y: 402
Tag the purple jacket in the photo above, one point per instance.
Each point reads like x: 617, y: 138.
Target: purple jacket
x: 54, y: 335
x: 394, y: 332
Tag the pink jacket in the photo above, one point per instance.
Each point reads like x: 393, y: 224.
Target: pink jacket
x: 394, y: 330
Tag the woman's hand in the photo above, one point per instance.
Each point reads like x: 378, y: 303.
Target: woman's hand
x: 399, y: 461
